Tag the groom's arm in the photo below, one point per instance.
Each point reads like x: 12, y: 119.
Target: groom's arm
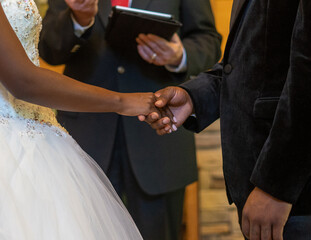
x: 204, y: 91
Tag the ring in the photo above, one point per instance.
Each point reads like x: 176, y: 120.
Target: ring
x: 154, y: 55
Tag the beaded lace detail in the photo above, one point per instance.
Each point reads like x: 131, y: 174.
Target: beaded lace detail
x: 25, y: 19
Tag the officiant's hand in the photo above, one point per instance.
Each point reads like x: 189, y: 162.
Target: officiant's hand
x: 180, y: 105
x: 158, y: 51
x: 83, y: 11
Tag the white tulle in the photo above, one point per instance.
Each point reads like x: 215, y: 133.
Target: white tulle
x: 50, y: 189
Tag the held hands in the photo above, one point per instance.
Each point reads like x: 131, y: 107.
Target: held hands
x: 83, y: 10
x: 177, y: 106
x: 264, y: 216
x: 135, y: 104
x: 164, y: 110
x: 142, y: 105
x: 158, y: 51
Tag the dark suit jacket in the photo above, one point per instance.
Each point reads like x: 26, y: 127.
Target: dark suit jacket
x: 161, y: 164
x: 262, y: 94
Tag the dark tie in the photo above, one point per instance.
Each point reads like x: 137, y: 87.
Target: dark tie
x: 124, y: 3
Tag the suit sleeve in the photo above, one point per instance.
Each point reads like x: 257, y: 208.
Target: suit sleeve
x: 284, y: 164
x: 57, y: 38
x: 204, y: 91
x: 199, y: 35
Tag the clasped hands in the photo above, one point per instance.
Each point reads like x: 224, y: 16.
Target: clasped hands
x: 174, y: 107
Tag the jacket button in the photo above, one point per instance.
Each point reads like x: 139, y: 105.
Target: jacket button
x: 121, y: 70
x: 228, y: 68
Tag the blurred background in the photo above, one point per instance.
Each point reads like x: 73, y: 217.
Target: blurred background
x: 207, y: 214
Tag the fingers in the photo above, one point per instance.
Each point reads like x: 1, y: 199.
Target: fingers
x: 163, y: 126
x: 155, y: 43
x: 266, y: 232
x: 166, y: 111
x: 154, y: 49
x: 147, y: 54
x: 175, y: 38
x: 162, y: 120
x: 164, y: 96
x: 154, y: 116
x: 255, y: 231
x: 245, y: 227
x: 141, y: 118
x: 163, y: 132
x: 277, y: 232
x: 163, y: 123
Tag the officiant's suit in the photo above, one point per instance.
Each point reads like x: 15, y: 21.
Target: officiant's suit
x: 261, y: 92
x: 155, y: 170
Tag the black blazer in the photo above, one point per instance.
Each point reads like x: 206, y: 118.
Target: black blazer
x: 261, y: 93
x: 161, y: 164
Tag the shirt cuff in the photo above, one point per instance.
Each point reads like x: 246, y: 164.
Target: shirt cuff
x: 78, y: 29
x: 182, y: 66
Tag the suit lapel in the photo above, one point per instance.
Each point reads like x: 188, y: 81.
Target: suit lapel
x: 236, y: 8
x: 234, y: 24
x: 104, y: 9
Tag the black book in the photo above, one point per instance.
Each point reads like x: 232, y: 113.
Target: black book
x: 125, y: 24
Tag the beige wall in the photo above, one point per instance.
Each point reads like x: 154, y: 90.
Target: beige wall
x: 222, y: 11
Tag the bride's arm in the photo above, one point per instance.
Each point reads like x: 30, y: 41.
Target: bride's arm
x: 40, y: 86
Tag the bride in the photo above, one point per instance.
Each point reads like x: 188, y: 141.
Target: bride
x: 49, y: 188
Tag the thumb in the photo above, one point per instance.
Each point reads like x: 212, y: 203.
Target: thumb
x: 164, y: 96
x: 141, y: 118
x: 175, y: 38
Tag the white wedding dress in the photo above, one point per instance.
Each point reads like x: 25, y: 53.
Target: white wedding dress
x: 50, y: 189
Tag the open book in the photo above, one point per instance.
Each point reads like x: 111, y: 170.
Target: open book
x: 125, y: 24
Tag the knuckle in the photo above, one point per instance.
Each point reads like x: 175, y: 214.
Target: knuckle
x: 245, y: 214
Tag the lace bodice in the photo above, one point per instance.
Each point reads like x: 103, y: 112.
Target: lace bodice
x: 25, y: 19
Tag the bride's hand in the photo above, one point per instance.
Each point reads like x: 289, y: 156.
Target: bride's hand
x: 135, y: 104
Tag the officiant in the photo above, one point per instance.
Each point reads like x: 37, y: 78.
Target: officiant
x: 149, y: 172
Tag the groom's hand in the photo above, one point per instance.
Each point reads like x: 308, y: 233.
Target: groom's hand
x: 264, y: 216
x: 178, y: 102
x: 83, y: 11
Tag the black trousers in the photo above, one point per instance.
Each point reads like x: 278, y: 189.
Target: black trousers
x: 157, y: 217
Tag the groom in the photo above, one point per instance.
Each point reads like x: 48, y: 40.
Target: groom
x: 262, y: 93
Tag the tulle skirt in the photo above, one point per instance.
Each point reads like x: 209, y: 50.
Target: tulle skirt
x: 50, y: 189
